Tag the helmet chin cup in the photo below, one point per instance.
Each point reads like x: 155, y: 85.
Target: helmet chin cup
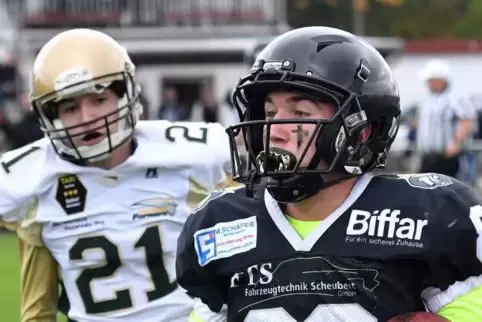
x: 275, y: 159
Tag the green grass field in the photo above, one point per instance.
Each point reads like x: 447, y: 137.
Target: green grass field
x: 10, y: 279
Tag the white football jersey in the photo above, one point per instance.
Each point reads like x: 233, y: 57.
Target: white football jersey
x: 114, y: 232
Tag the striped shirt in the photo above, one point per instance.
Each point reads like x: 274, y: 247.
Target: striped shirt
x: 438, y: 118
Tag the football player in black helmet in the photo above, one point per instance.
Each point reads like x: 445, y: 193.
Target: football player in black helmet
x: 320, y: 237
x: 349, y: 105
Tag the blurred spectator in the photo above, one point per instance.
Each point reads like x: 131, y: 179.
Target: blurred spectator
x: 228, y: 100
x: 207, y: 109
x: 401, y: 152
x: 170, y: 108
x: 145, y: 106
x: 409, y: 118
x: 27, y: 130
x: 5, y: 132
x: 445, y: 122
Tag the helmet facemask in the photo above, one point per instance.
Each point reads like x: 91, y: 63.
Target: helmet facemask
x: 117, y: 126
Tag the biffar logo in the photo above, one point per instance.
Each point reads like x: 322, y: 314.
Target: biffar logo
x: 385, y: 227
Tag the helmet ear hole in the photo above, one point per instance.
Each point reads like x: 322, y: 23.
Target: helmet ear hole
x: 375, y: 131
x: 365, y: 134
x: 119, y: 88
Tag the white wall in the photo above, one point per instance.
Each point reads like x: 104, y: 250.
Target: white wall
x: 466, y: 69
x: 224, y: 78
x: 467, y: 75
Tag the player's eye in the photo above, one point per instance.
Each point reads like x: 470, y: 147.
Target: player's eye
x: 68, y: 109
x: 100, y: 100
x: 270, y: 114
x: 301, y: 114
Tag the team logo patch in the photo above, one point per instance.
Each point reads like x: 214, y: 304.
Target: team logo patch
x: 225, y: 239
x: 426, y: 180
x: 71, y: 194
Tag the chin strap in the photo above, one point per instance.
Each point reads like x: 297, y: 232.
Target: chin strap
x: 283, y: 192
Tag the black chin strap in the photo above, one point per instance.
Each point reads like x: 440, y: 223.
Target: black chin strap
x: 257, y: 184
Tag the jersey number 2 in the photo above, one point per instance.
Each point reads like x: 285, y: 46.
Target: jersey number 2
x: 150, y: 241
x: 201, y: 136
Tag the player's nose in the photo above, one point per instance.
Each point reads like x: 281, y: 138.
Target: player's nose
x: 87, y: 113
x: 280, y: 134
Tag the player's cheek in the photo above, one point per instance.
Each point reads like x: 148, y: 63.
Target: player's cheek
x: 305, y: 144
x: 307, y: 157
x: 113, y: 124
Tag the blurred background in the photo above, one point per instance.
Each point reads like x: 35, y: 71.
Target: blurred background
x: 189, y: 54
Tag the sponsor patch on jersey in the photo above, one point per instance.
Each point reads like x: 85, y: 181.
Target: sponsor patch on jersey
x: 426, y: 180
x: 163, y: 205
x: 225, y: 239
x: 385, y: 227
x: 71, y: 194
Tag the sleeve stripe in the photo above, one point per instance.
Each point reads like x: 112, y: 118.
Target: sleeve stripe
x: 467, y: 308
x: 193, y: 317
x: 202, y: 313
x: 435, y: 299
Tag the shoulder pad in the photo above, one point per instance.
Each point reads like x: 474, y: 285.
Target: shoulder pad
x: 182, y: 132
x: 23, y: 176
x: 24, y: 158
x: 213, y: 208
x: 196, y: 140
x: 428, y: 181
x: 451, y: 191
x: 217, y: 194
x: 461, y: 206
x: 26, y: 167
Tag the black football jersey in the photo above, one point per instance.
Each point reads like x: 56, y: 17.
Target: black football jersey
x: 394, y: 246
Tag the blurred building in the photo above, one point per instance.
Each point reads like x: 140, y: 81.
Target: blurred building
x: 185, y: 44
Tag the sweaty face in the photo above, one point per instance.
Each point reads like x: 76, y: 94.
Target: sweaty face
x: 295, y: 137
x: 87, y: 113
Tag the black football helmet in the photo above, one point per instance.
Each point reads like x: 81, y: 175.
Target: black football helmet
x: 328, y: 65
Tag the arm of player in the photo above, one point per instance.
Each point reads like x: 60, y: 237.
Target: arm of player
x: 11, y: 212
x: 202, y: 313
x: 17, y: 213
x: 15, y: 194
x: 199, y: 281
x: 39, y: 283
x: 459, y: 272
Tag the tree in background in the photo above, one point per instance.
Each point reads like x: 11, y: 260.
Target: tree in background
x: 410, y: 19
x: 470, y: 25
x: 421, y: 19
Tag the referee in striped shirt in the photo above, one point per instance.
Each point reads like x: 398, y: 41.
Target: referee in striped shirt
x: 445, y: 122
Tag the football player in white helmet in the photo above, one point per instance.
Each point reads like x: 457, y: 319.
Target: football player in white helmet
x: 103, y: 197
